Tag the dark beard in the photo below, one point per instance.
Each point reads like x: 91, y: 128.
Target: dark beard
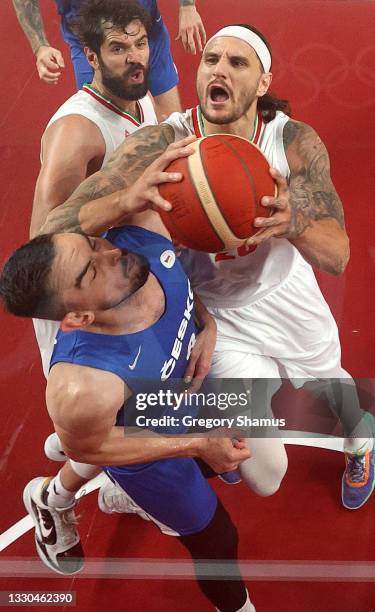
x: 118, y: 86
x: 143, y: 271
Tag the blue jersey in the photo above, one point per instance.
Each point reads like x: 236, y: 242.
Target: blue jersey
x: 146, y: 361
x: 68, y: 8
x: 163, y: 73
x: 156, y: 357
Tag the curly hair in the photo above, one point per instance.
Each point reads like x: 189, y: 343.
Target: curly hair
x: 95, y: 17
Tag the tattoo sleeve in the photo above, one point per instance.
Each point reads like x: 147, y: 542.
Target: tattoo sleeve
x: 312, y: 193
x: 28, y: 14
x: 125, y: 166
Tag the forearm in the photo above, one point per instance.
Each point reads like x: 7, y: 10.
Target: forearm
x: 120, y: 449
x: 203, y: 317
x: 100, y: 193
x: 92, y: 219
x: 29, y: 17
x: 324, y: 245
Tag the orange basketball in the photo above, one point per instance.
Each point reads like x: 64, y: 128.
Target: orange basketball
x: 215, y: 204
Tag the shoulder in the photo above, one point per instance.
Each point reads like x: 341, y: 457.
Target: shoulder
x: 74, y: 131
x: 301, y: 142
x: 72, y: 393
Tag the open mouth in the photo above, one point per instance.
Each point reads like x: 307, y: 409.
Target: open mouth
x: 137, y: 76
x: 218, y: 94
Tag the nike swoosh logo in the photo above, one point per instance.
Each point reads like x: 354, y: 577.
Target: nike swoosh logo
x: 48, y: 534
x: 157, y: 20
x: 132, y: 365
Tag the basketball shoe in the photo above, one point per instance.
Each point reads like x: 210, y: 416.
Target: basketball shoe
x: 56, y: 538
x: 112, y: 499
x: 358, y: 480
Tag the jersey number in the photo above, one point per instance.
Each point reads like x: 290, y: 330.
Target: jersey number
x: 241, y: 252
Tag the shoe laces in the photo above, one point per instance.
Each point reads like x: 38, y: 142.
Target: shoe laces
x: 356, y: 467
x: 66, y: 525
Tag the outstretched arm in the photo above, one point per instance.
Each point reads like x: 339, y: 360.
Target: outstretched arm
x: 308, y: 210
x: 48, y: 59
x: 104, y: 190
x: 191, y: 29
x: 85, y: 423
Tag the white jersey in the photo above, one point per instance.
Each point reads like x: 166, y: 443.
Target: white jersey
x: 114, y: 123
x: 241, y: 276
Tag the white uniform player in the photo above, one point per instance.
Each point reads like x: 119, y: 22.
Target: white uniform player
x: 115, y: 125
x: 272, y: 319
x: 270, y: 312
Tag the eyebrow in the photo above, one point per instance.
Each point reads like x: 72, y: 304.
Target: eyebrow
x: 216, y: 55
x: 120, y: 43
x: 80, y: 276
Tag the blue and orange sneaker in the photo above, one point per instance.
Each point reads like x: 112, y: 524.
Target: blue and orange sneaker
x: 358, y: 480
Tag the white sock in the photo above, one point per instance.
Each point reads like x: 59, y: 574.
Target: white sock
x: 247, y: 607
x: 58, y: 496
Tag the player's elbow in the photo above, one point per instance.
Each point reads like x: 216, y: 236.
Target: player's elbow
x: 341, y: 257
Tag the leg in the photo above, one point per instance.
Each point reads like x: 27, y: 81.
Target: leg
x: 175, y: 495
x: 264, y: 471
x: 219, y: 542
x: 50, y: 503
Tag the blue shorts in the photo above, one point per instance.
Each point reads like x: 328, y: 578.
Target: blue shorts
x: 163, y: 73
x: 172, y: 491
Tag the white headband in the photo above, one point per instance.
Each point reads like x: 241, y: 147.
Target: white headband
x: 252, y: 39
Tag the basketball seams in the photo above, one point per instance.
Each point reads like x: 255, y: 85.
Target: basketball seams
x: 192, y: 167
x: 246, y: 169
x: 198, y: 174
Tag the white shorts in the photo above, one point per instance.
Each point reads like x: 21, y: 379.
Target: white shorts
x: 45, y: 332
x: 290, y: 332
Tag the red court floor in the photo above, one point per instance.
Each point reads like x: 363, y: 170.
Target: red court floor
x: 300, y: 550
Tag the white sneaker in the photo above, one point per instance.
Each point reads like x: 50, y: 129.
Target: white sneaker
x: 53, y: 449
x: 56, y: 538
x: 112, y: 499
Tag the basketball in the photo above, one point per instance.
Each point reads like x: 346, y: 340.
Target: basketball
x: 215, y: 204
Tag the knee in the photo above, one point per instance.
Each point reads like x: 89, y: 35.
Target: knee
x: 268, y: 480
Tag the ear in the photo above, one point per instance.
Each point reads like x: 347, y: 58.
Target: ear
x: 77, y: 320
x: 264, y: 84
x: 92, y: 58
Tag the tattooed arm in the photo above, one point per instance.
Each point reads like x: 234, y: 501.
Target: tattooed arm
x: 308, y: 210
x: 48, y: 59
x: 125, y: 188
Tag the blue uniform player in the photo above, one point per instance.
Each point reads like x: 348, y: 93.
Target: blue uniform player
x: 127, y: 318
x: 163, y: 73
x: 147, y: 361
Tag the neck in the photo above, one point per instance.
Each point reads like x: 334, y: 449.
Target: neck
x: 244, y: 126
x: 138, y: 312
x: 129, y: 106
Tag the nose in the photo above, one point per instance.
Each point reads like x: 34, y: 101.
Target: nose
x: 220, y: 68
x: 111, y: 256
x: 134, y: 56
